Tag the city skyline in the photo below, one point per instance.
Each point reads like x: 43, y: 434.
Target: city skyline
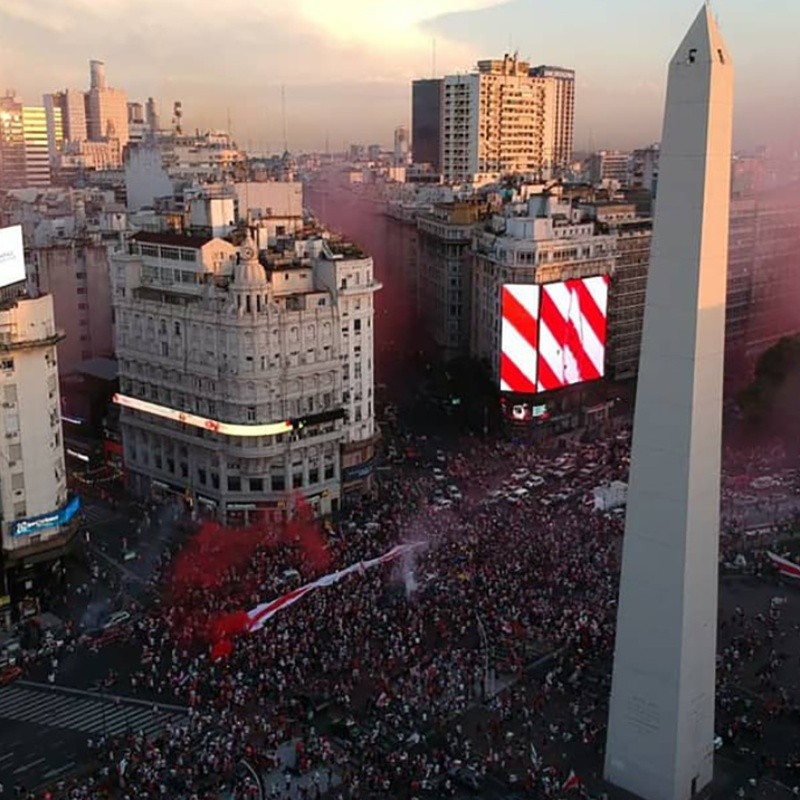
x: 363, y: 57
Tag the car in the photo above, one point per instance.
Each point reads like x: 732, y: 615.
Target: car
x: 116, y: 619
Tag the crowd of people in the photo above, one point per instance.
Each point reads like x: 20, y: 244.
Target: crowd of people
x: 482, y: 656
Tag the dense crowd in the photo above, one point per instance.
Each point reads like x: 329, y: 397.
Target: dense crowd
x: 374, y: 682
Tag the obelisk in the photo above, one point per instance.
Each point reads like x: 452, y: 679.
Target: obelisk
x: 660, y: 743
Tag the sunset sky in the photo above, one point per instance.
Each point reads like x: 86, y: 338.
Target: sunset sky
x: 347, y: 65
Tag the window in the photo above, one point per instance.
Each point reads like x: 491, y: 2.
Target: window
x: 234, y: 483
x: 278, y: 483
x: 215, y: 480
x: 177, y: 328
x: 256, y: 484
x: 164, y: 348
x: 357, y: 325
x: 251, y: 413
x: 7, y: 364
x: 80, y: 275
x: 202, y: 476
x: 313, y: 475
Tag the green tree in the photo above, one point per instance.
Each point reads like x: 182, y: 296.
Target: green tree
x: 773, y: 388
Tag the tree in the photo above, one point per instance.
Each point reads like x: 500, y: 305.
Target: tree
x: 771, y: 399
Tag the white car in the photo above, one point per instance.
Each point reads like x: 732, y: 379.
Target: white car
x: 116, y: 619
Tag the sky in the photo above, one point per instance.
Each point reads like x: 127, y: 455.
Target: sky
x: 347, y: 65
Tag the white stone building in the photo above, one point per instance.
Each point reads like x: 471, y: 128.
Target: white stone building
x: 38, y: 517
x: 242, y: 383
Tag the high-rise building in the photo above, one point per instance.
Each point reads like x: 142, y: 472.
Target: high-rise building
x: 38, y: 518
x: 401, y: 148
x: 609, y: 165
x: 29, y: 135
x: 72, y: 104
x: 563, y: 117
x: 502, y: 119
x: 241, y: 383
x: 660, y: 743
x: 426, y: 122
x: 41, y: 141
x: 152, y: 118
x: 644, y: 169
x: 12, y: 143
x: 107, y: 109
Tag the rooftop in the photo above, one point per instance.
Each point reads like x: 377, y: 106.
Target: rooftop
x: 172, y: 239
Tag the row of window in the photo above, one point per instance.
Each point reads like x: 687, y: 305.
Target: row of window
x: 235, y: 483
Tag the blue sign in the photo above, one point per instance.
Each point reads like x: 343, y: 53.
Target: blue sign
x: 44, y: 522
x: 359, y: 471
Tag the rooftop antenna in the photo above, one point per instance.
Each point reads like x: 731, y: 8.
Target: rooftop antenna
x: 283, y: 113
x: 228, y: 112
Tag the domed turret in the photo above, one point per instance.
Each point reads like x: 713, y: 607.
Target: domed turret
x: 248, y: 273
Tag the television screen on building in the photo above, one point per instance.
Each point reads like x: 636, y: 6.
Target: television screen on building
x: 12, y: 256
x: 518, y: 338
x: 572, y: 332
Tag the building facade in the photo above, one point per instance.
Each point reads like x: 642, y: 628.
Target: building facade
x: 540, y: 242
x: 29, y: 139
x: 444, y: 239
x: 75, y: 273
x: 609, y: 165
x: 626, y: 296
x: 245, y: 383
x: 38, y: 517
x: 426, y: 122
x: 106, y: 108
x: 72, y: 105
x: 563, y: 118
x: 505, y: 119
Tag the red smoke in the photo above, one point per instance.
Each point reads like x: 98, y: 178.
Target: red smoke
x: 221, y: 572
x: 305, y: 530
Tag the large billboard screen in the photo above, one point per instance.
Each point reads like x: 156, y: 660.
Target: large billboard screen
x: 519, y: 337
x: 12, y: 256
x: 553, y: 335
x: 572, y: 332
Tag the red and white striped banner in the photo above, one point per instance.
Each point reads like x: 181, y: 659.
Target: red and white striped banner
x: 519, y: 338
x: 572, y: 332
x: 786, y: 568
x: 262, y: 613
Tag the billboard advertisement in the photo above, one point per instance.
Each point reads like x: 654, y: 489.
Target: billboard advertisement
x: 519, y: 338
x: 572, y: 332
x: 554, y: 335
x: 12, y: 256
x: 45, y: 522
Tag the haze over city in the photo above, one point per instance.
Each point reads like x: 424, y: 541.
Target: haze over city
x: 347, y: 66
x: 399, y: 400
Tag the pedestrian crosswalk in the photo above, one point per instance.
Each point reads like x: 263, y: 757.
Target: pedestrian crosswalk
x: 96, y: 716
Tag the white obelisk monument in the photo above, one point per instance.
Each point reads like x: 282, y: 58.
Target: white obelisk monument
x: 661, y: 717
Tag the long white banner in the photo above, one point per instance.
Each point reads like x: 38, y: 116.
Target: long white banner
x: 263, y: 612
